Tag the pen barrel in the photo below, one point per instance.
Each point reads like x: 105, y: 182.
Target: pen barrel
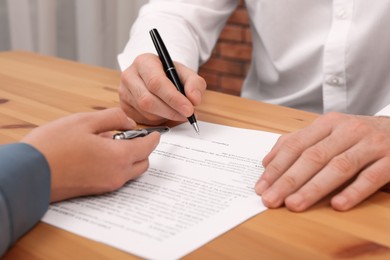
x: 161, y: 49
x: 131, y: 134
x: 174, y: 78
x: 192, y: 119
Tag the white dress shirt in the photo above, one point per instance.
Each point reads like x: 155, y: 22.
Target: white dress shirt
x: 315, y: 55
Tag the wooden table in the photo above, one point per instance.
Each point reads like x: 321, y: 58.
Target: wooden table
x: 35, y: 89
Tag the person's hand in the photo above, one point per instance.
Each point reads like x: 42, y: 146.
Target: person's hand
x: 343, y: 153
x: 83, y: 157
x: 149, y: 97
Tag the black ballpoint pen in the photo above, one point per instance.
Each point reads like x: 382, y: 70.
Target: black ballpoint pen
x: 170, y: 69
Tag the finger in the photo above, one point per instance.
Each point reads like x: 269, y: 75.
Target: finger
x: 118, y: 178
x: 194, y: 85
x: 271, y: 170
x: 343, y: 150
x: 291, y: 147
x: 139, y: 148
x: 106, y: 134
x: 262, y: 184
x: 137, y: 169
x: 286, y: 153
x: 129, y: 105
x: 339, y: 170
x: 163, y: 103
x: 368, y: 181
x: 173, y: 103
x: 134, y: 94
x: 136, y: 99
x: 310, y: 163
x: 144, y: 118
x: 275, y: 149
x: 108, y: 120
x: 127, y: 102
x: 349, y: 155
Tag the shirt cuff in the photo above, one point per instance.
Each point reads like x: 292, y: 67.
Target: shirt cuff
x: 384, y: 111
x: 24, y: 190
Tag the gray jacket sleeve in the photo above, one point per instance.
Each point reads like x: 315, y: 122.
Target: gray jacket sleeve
x: 24, y: 191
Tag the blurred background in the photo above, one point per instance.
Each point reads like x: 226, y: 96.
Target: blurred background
x: 88, y: 31
x: 96, y: 31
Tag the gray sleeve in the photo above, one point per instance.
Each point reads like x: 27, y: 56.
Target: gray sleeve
x: 24, y: 191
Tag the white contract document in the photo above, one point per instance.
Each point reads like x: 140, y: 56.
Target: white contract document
x: 196, y: 188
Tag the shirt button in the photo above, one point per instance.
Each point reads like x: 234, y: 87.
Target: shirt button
x: 333, y: 80
x: 341, y: 14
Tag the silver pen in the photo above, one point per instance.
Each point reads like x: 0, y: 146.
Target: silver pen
x: 131, y: 134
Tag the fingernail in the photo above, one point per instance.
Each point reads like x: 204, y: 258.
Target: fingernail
x: 340, y: 201
x: 270, y: 198
x: 295, y: 202
x: 261, y: 186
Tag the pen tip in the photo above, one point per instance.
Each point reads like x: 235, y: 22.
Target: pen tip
x: 195, y: 125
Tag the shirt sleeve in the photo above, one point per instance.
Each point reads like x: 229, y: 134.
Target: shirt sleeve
x: 384, y: 111
x: 24, y: 191
x: 189, y: 29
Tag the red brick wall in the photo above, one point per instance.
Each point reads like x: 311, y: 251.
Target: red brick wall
x: 229, y: 63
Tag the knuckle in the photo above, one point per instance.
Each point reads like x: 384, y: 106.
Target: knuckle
x: 380, y: 140
x: 284, y: 137
x: 171, y: 99
x: 154, y: 83
x: 129, y: 110
x: 154, y: 120
x: 140, y: 59
x: 315, y: 188
x: 373, y: 178
x: 354, y: 192
x: 289, y: 181
x: 174, y: 114
x: 343, y: 165
x: 145, y: 102
x: 358, y: 127
x: 330, y: 118
x: 333, y: 116
x: 274, y: 168
x: 294, y: 144
x: 315, y: 155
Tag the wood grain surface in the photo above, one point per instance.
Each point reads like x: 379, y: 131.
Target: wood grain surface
x: 35, y: 89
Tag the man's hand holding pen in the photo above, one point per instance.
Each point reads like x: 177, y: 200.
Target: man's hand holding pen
x: 150, y: 98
